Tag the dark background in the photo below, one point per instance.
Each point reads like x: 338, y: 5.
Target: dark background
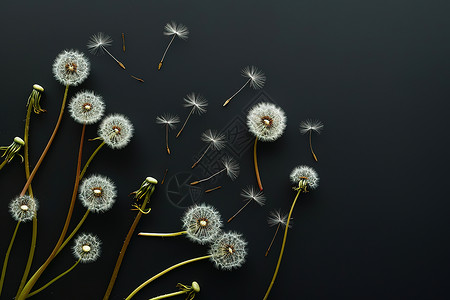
x: 375, y: 72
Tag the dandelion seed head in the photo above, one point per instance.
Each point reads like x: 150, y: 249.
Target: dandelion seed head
x: 231, y: 166
x: 98, y: 42
x: 305, y: 173
x: 277, y: 218
x: 97, y: 193
x: 266, y: 121
x: 250, y: 193
x: 228, y: 251
x: 116, y: 131
x: 23, y: 208
x: 71, y: 67
x: 197, y: 102
x: 256, y: 76
x: 86, y: 107
x: 180, y: 30
x: 86, y: 248
x: 168, y: 119
x: 202, y: 223
x: 311, y: 125
x: 214, y: 138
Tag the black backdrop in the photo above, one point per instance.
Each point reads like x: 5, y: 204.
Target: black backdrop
x: 375, y: 72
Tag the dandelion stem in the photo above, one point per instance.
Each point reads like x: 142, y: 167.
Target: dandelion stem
x: 205, y: 179
x: 25, y: 148
x: 167, y: 138
x: 164, y: 55
x: 120, y: 64
x: 190, y: 113
x: 273, y: 239
x: 213, y: 189
x: 229, y: 99
x: 162, y: 234
x: 164, y: 272
x: 255, y: 161
x: 168, y: 295
x: 53, y: 280
x: 5, y: 262
x: 27, y: 288
x: 310, y: 146
x: 50, y: 141
x: 30, y: 255
x: 90, y: 159
x: 125, y: 245
x: 74, y: 231
x: 282, y: 246
x: 3, y: 163
x: 230, y: 219
x: 207, y: 148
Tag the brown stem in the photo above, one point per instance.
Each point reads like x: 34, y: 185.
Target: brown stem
x: 255, y: 161
x: 310, y: 147
x: 167, y: 138
x: 230, y: 219
x: 273, y: 239
x: 207, y: 148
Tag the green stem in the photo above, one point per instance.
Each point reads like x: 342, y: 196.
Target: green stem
x: 26, y: 158
x: 5, y: 262
x: 125, y: 246
x: 30, y: 256
x: 282, y: 246
x: 27, y: 288
x: 91, y: 158
x: 162, y: 234
x: 3, y: 164
x: 53, y: 280
x: 164, y: 272
x: 169, y: 295
x: 73, y: 231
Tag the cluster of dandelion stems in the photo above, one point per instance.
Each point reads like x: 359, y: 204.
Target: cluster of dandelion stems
x: 302, y: 187
x: 145, y: 191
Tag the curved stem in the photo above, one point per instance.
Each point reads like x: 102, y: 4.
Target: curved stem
x: 53, y: 280
x: 208, y: 178
x: 282, y: 247
x: 164, y: 55
x: 27, y: 288
x: 73, y: 231
x: 310, y: 147
x: 168, y: 295
x: 30, y: 256
x: 190, y: 113
x: 25, y: 148
x: 125, y: 246
x: 162, y: 234
x: 5, y: 262
x: 164, y: 272
x: 229, y: 99
x: 90, y: 159
x: 207, y: 148
x: 255, y: 161
x: 273, y: 239
x: 50, y: 141
x: 230, y: 219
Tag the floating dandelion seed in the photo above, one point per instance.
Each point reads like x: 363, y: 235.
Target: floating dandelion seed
x: 215, y: 141
x: 256, y: 80
x: 250, y: 194
x: 97, y: 45
x: 198, y: 106
x: 229, y: 165
x: 266, y: 122
x: 169, y: 122
x: 307, y: 127
x: 276, y: 218
x: 175, y: 30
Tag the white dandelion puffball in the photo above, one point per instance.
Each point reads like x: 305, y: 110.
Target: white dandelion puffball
x: 311, y: 125
x: 256, y: 76
x: 23, y: 208
x: 116, y: 131
x: 179, y: 30
x: 228, y: 251
x: 202, y: 223
x: 97, y: 193
x: 71, y: 67
x: 305, y: 173
x: 86, y: 107
x: 86, y: 248
x: 266, y: 121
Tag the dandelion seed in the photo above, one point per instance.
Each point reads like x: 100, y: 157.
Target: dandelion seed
x: 97, y: 45
x: 215, y: 141
x: 276, y: 219
x: 256, y: 80
x: 307, y: 127
x: 229, y: 165
x: 197, y: 104
x: 250, y: 194
x: 175, y: 30
x: 169, y: 122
